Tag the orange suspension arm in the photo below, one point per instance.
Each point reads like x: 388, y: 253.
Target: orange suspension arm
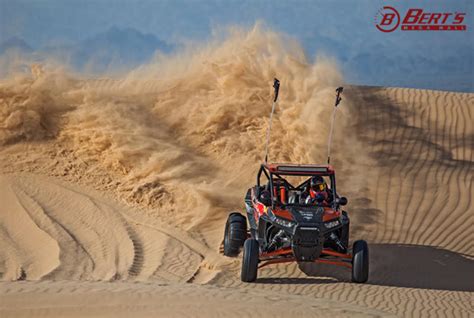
x: 336, y: 254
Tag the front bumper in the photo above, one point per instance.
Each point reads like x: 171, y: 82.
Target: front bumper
x: 307, y: 243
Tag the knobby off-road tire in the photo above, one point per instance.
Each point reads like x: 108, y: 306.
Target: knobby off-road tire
x: 235, y: 234
x: 360, y: 262
x: 250, y: 261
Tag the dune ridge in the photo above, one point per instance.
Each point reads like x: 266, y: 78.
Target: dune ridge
x: 129, y: 181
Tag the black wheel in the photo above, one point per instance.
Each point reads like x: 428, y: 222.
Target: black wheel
x: 360, y: 262
x: 235, y: 234
x: 250, y: 261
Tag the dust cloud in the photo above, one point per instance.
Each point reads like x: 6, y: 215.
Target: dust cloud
x: 181, y: 129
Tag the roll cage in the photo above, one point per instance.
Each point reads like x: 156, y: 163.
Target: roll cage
x: 276, y: 172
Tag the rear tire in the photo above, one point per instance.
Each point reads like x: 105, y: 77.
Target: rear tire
x: 360, y: 262
x: 235, y: 234
x: 250, y: 261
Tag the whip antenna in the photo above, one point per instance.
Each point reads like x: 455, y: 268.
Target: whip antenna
x: 338, y: 100
x: 276, y: 86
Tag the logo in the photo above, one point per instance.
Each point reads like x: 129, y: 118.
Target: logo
x: 307, y: 215
x: 388, y: 19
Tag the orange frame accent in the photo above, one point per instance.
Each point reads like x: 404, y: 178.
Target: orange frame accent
x: 277, y: 261
x: 292, y: 259
x: 285, y: 251
x: 288, y: 251
x: 336, y: 254
x: 338, y: 263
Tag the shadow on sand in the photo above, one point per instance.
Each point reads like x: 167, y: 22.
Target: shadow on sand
x: 414, y: 266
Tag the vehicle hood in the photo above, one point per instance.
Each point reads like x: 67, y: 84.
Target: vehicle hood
x: 307, y: 214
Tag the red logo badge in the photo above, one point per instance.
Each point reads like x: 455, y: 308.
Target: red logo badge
x: 388, y: 19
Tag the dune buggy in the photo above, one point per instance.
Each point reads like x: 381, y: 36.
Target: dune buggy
x: 285, y: 228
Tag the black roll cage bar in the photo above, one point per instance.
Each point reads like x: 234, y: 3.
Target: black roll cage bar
x: 263, y: 169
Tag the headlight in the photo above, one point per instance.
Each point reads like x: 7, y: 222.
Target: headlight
x: 283, y: 222
x: 330, y: 225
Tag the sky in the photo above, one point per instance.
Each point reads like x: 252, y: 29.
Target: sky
x: 344, y: 30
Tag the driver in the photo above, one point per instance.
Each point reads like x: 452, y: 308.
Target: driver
x: 317, y: 188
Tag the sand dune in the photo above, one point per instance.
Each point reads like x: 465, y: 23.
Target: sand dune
x: 96, y: 240
x: 421, y: 142
x: 66, y: 235
x: 118, y: 189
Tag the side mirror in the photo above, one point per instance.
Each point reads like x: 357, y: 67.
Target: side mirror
x: 342, y: 201
x: 320, y: 197
x: 265, y: 197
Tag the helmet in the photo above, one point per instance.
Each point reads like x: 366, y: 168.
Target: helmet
x: 318, y: 184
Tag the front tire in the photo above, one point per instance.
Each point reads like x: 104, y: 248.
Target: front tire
x: 250, y: 261
x: 235, y: 234
x: 360, y: 262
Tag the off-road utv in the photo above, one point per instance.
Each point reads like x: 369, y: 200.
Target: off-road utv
x: 290, y: 221
x: 286, y: 227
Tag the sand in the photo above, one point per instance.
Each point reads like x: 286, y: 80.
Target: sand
x: 115, y: 191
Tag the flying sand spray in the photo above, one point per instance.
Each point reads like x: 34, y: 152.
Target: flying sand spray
x: 276, y: 86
